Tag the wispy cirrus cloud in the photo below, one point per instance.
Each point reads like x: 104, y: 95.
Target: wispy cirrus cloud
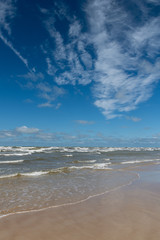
x: 117, y: 54
x: 124, y: 79
x: 84, y: 122
x: 49, y: 93
x: 45, y: 105
x: 109, y: 49
x: 134, y: 119
x: 156, y: 2
x: 7, y: 11
x: 7, y: 14
x: 38, y: 137
x: 45, y: 90
x: 68, y: 62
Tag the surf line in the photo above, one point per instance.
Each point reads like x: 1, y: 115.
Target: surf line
x: 73, y: 203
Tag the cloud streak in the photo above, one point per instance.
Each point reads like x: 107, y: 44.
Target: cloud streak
x: 124, y: 79
x: 7, y: 13
x: 37, y: 137
x: 117, y: 54
x: 134, y: 119
x: 110, y: 49
x: 84, y: 122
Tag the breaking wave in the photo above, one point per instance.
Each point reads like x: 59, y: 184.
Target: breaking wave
x: 21, y: 151
x: 140, y: 161
x: 99, y: 166
x: 11, y: 162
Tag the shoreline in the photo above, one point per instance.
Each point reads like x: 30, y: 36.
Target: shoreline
x: 73, y: 203
x: 128, y: 212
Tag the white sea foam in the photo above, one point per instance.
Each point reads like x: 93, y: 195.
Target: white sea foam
x: 68, y: 155
x: 101, y: 165
x: 35, y: 173
x: 77, y: 202
x: 31, y: 174
x: 10, y: 162
x: 88, y: 161
x: 97, y: 150
x: 20, y: 151
x: 15, y: 154
x: 98, y: 166
x: 140, y: 161
x: 94, y: 166
x: 9, y: 176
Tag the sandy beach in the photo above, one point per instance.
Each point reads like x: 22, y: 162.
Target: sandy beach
x: 79, y: 120
x: 130, y: 212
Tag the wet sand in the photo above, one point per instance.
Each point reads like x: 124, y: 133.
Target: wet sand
x: 131, y: 212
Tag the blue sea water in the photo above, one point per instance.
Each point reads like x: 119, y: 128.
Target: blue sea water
x: 39, y: 177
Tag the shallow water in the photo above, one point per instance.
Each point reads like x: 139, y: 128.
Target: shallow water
x: 35, y: 178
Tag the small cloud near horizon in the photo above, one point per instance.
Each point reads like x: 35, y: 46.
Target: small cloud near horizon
x: 84, y: 122
x: 27, y: 130
x: 134, y: 119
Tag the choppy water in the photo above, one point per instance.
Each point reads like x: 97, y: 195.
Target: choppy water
x: 35, y: 178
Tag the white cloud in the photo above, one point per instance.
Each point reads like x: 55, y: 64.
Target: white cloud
x: 49, y: 93
x: 34, y: 136
x: 75, y: 29
x: 26, y: 130
x: 122, y: 61
x: 117, y: 54
x: 134, y: 119
x: 28, y: 100
x: 84, y: 122
x: 68, y: 63
x: 10, y: 45
x: 58, y: 106
x: 43, y: 105
x: 156, y: 2
x: 32, y: 76
x: 45, y: 90
x: 51, y: 68
x: 123, y: 80
x: 44, y: 87
x: 7, y: 13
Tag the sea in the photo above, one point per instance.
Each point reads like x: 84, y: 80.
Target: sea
x: 36, y: 178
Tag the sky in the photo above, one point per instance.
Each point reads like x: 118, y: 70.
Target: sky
x: 80, y: 73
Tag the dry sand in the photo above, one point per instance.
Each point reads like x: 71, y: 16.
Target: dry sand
x: 129, y: 213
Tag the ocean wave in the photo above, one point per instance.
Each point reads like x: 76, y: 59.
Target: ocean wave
x: 140, y: 161
x: 35, y: 174
x: 11, y: 162
x: 15, y: 154
x: 79, y: 201
x: 20, y: 151
x: 100, y: 150
x: 130, y: 149
x: 84, y: 161
x: 98, y: 166
x: 94, y: 150
x: 31, y: 174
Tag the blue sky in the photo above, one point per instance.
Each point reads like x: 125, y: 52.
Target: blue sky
x: 80, y: 73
